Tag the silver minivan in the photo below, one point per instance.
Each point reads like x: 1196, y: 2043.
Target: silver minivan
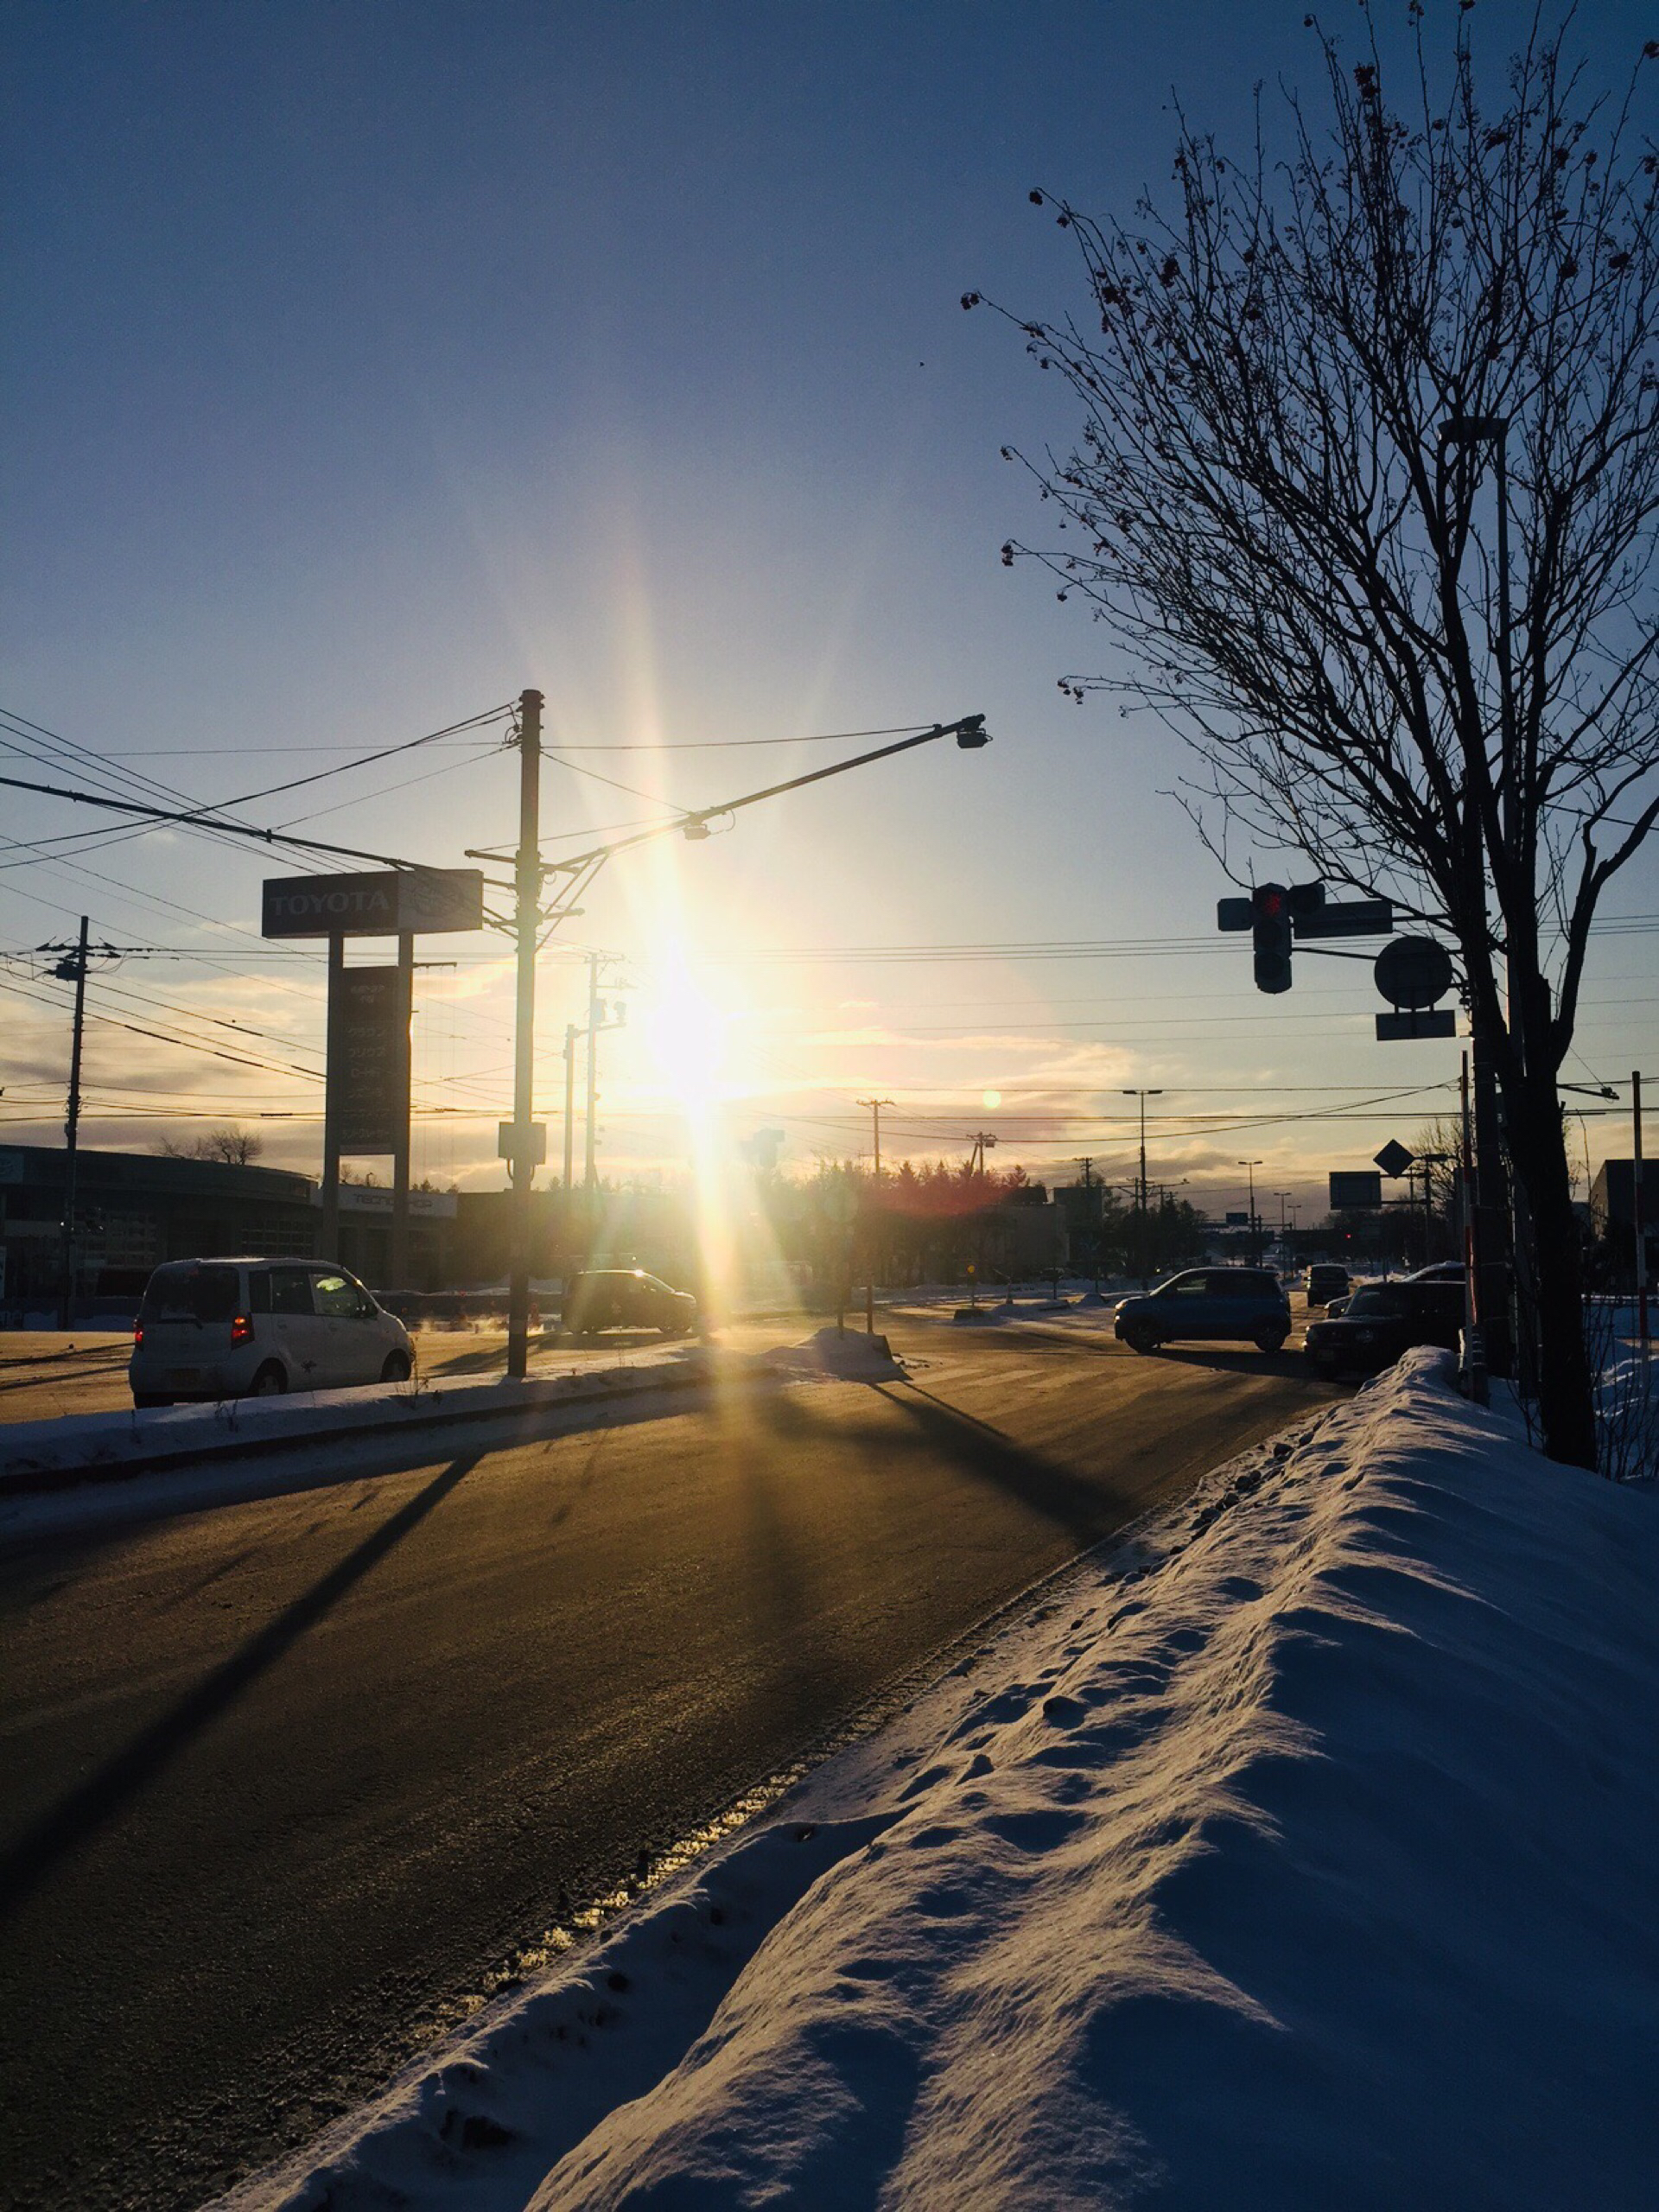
x: 210, y: 1328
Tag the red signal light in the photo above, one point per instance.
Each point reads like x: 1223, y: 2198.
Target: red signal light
x: 1270, y: 903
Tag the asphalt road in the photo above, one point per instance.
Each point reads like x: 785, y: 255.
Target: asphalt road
x: 286, y: 1785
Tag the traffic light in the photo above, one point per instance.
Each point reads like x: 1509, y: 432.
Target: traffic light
x: 1270, y: 912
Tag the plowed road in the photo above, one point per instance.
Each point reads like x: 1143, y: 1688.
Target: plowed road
x: 284, y: 1783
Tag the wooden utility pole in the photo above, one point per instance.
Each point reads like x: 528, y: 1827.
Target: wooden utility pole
x: 527, y: 922
x: 876, y: 1106
x: 72, y: 1131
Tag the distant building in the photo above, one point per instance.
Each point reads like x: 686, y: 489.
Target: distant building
x: 1613, y: 1192
x: 133, y: 1210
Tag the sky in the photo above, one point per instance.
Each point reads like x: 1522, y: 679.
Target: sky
x: 367, y: 365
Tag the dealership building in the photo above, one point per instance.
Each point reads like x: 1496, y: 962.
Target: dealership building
x: 133, y: 1210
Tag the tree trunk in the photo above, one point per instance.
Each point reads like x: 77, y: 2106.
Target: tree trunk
x: 1565, y: 1393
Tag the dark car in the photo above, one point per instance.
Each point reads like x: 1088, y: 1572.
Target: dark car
x: 1327, y: 1278
x: 1243, y: 1304
x: 625, y: 1297
x: 1383, y: 1319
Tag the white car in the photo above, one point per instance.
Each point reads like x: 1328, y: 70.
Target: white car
x: 255, y: 1328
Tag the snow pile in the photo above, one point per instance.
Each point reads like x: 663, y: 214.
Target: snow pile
x: 1317, y: 1866
x: 845, y: 1352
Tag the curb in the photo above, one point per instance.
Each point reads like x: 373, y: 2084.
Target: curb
x: 425, y: 1411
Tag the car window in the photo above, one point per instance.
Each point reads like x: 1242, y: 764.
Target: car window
x: 258, y: 1291
x: 1190, y: 1287
x: 291, y: 1291
x: 185, y: 1291
x: 336, y: 1296
x: 1383, y: 1299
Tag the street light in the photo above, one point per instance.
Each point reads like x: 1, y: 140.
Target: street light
x: 1252, y: 1165
x: 1142, y: 1185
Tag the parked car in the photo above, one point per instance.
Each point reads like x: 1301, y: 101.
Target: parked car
x: 625, y: 1297
x: 210, y: 1329
x: 1382, y: 1319
x: 1327, y: 1278
x: 1246, y: 1304
x: 1442, y: 1271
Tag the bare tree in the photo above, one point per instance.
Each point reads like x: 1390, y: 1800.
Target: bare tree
x: 1309, y: 381
x: 232, y: 1147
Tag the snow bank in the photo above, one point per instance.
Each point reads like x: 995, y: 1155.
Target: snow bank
x: 1315, y: 1867
x: 845, y: 1352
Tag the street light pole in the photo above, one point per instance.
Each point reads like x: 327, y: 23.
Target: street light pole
x: 527, y: 917
x: 1256, y: 1247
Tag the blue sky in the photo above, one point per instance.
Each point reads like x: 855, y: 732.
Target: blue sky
x: 368, y: 363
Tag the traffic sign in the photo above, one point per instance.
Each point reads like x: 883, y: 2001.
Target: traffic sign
x: 1358, y: 917
x: 1416, y: 1021
x: 1394, y: 1159
x: 1413, y: 971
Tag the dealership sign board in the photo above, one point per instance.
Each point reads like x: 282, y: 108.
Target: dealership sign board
x: 368, y: 1058
x: 388, y: 902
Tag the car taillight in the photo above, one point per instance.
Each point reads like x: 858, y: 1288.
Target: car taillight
x: 242, y: 1329
x: 137, y: 1334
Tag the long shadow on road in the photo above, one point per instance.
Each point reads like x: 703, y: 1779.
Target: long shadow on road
x: 94, y: 1803
x: 984, y: 1452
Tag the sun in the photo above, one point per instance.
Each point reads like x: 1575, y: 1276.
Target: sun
x: 685, y: 1036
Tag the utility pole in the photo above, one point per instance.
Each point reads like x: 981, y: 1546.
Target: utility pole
x: 1141, y: 1180
x: 982, y: 1141
x: 527, y: 922
x: 876, y: 1106
x: 72, y: 1124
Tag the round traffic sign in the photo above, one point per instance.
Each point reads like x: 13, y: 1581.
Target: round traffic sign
x: 1413, y: 971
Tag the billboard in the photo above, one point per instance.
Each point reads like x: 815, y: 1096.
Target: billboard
x: 368, y: 1058
x: 1238, y: 1221
x: 385, y: 902
x: 1362, y: 1188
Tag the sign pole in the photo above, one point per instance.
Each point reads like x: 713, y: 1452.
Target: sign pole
x: 527, y: 920
x: 328, y: 1231
x: 398, y: 1256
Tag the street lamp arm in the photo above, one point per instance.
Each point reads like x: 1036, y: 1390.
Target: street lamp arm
x: 969, y: 733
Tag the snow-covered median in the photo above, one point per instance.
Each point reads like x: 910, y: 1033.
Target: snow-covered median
x: 1317, y: 1867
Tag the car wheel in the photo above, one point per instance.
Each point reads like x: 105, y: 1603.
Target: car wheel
x: 1141, y: 1339
x: 1269, y: 1339
x: 396, y: 1368
x: 145, y: 1399
x: 269, y: 1383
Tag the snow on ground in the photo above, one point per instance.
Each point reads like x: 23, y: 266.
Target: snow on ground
x: 1312, y: 1863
